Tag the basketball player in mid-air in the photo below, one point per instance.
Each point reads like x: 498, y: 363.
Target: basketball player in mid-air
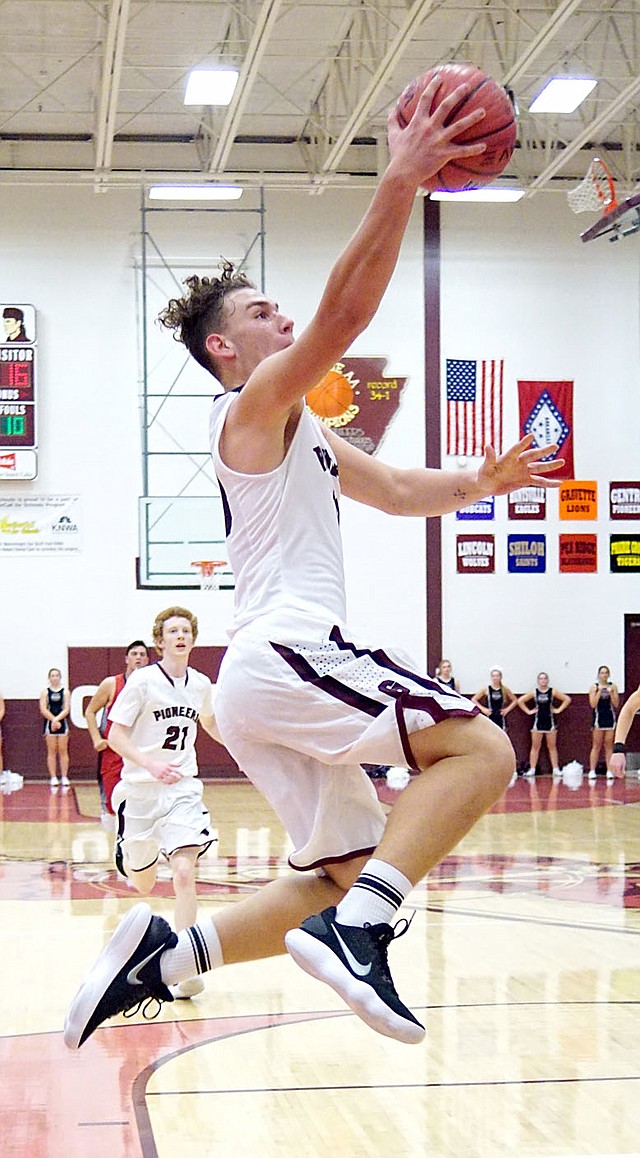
x: 299, y: 704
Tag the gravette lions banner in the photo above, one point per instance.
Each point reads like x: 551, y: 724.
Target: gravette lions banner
x: 546, y: 412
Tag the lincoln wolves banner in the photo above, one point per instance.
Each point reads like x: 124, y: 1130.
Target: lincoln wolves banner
x: 546, y: 411
x: 475, y: 553
x: 474, y: 406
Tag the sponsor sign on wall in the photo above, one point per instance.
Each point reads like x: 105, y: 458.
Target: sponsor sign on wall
x: 40, y: 525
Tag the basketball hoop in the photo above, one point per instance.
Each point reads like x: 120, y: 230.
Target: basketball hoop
x: 596, y: 191
x: 209, y: 581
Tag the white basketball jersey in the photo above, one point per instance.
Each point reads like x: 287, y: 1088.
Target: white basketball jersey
x: 283, y: 531
x: 163, y: 713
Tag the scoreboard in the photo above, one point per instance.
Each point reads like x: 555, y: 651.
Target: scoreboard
x: 18, y: 396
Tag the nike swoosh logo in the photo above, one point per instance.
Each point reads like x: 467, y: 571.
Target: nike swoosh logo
x: 132, y: 975
x: 356, y: 966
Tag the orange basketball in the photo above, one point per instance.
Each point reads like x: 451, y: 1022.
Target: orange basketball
x: 498, y: 129
x: 332, y: 396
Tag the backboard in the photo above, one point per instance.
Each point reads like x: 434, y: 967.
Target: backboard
x: 618, y: 222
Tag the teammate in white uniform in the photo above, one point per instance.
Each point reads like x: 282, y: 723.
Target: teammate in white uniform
x: 158, y: 801
x: 299, y: 704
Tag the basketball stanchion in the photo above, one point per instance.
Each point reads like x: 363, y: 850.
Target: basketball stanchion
x: 209, y: 580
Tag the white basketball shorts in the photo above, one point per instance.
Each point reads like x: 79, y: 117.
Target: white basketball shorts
x: 155, y: 818
x: 300, y: 720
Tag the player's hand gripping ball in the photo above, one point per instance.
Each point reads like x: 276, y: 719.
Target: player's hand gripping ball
x: 498, y: 128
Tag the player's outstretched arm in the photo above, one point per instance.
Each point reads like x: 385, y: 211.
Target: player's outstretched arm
x: 361, y: 274
x: 618, y: 762
x: 428, y: 492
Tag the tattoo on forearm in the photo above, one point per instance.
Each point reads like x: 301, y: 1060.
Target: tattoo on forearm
x: 459, y: 494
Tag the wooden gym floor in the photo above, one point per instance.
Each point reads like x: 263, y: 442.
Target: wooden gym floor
x: 523, y: 960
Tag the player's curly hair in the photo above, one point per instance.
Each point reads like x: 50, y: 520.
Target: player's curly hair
x: 201, y: 311
x: 171, y: 613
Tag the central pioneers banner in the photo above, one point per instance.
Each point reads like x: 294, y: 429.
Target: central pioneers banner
x: 546, y: 411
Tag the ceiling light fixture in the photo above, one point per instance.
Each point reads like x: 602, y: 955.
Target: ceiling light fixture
x: 211, y: 86
x: 562, y: 94
x: 487, y: 194
x: 195, y: 192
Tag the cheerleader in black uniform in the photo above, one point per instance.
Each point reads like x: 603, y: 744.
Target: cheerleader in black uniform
x: 549, y: 702
x: 444, y: 675
x: 54, y: 707
x: 604, y: 698
x: 496, y: 700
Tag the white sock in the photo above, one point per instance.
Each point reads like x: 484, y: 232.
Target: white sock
x: 198, y: 950
x: 375, y: 897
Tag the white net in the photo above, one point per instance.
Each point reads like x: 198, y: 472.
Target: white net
x: 209, y: 580
x: 596, y: 191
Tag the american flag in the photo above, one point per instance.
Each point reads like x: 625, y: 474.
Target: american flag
x: 474, y: 405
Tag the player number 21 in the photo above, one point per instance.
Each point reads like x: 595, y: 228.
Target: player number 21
x: 173, y: 736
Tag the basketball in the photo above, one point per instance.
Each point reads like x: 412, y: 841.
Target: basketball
x: 332, y: 396
x: 498, y: 129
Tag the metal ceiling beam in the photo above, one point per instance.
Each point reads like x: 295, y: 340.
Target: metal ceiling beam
x: 540, y: 41
x: 263, y: 28
x: 110, y: 84
x: 264, y: 24
x: 356, y: 106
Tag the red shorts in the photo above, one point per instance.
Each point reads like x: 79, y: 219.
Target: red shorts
x: 110, y: 769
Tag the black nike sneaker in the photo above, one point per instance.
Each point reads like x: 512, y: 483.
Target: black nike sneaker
x: 125, y: 975
x: 353, y: 961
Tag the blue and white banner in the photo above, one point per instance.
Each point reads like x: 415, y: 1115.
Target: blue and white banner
x: 485, y: 509
x: 526, y: 554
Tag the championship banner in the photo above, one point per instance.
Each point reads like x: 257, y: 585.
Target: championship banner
x: 624, y: 500
x: 475, y: 553
x: 624, y: 553
x: 357, y: 401
x: 526, y: 554
x: 578, y: 500
x: 546, y: 411
x: 578, y: 553
x: 484, y: 509
x: 528, y: 503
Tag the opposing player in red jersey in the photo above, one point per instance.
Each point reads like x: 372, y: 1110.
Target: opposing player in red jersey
x: 109, y: 762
